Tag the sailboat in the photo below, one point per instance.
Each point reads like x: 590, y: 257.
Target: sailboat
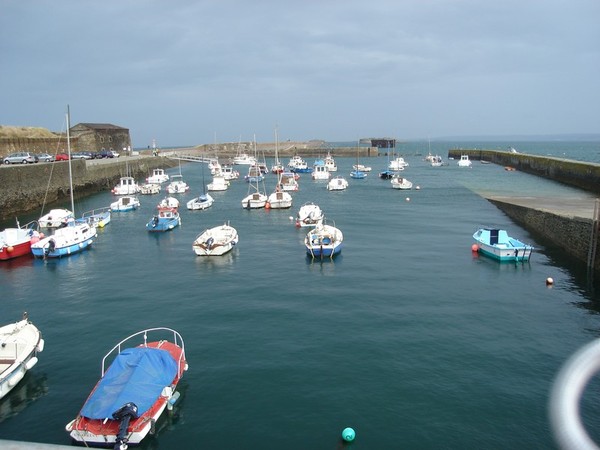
x: 277, y: 166
x: 204, y: 200
x: 278, y: 199
x: 76, y: 236
x: 357, y: 173
x: 256, y: 197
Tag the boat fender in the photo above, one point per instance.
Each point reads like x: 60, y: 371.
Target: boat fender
x: 32, y: 362
x: 12, y: 381
x: 40, y: 346
x: 173, y: 400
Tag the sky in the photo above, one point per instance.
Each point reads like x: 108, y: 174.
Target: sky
x: 191, y: 72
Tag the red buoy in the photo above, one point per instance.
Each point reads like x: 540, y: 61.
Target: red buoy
x: 474, y: 248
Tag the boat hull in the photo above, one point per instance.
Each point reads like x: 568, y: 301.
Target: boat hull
x: 21, y: 341
x: 16, y: 242
x: 216, y: 241
x: 65, y: 241
x: 515, y: 254
x: 324, y: 241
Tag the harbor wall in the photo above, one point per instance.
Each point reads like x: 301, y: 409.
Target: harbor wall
x: 26, y: 188
x: 576, y: 236
x: 583, y: 175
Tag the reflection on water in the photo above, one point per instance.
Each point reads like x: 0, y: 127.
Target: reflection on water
x: 33, y: 386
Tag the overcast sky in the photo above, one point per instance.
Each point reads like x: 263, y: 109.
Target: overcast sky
x: 189, y: 72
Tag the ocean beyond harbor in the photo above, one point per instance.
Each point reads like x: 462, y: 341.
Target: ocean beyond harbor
x: 407, y: 336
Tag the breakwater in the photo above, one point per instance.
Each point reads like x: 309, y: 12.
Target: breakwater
x: 26, y: 188
x: 578, y: 174
x: 575, y: 235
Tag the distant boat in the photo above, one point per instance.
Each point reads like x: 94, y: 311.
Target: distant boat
x: 158, y: 176
x: 203, y: 201
x: 126, y: 186
x: 337, y: 184
x: 125, y: 203
x: 497, y: 244
x: 330, y: 163
x: 397, y: 164
x: 356, y: 173
x: 320, y: 170
x: 215, y: 241
x: 177, y: 185
x: 21, y: 342
x: 168, y: 202
x: 257, y: 197
x: 464, y: 161
x: 399, y: 182
x: 150, y: 188
x: 288, y: 181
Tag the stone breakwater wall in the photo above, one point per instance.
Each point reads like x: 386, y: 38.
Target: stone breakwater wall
x: 24, y: 187
x: 573, y: 235
x: 582, y: 175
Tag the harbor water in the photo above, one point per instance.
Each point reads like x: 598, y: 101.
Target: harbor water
x: 407, y: 336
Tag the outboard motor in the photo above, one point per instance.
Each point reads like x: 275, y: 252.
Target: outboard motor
x: 51, y: 247
x: 124, y: 414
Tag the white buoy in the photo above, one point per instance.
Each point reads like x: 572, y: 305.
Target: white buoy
x: 408, y: 199
x: 549, y: 281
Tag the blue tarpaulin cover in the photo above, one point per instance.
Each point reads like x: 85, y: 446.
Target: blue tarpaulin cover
x: 136, y: 375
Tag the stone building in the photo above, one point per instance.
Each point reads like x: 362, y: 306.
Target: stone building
x: 93, y: 137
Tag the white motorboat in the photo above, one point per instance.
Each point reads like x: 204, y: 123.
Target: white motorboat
x: 20, y: 342
x: 436, y: 161
x: 125, y: 203
x: 177, y: 185
x: 158, y: 176
x: 244, y: 159
x: 279, y: 200
x: 361, y: 168
x: 337, y: 184
x: 397, y: 163
x: 215, y: 241
x: 219, y: 183
x: 55, y: 218
x: 399, y: 182
x: 150, y: 188
x: 288, y: 181
x: 126, y: 186
x: 330, y: 163
x: 229, y: 173
x: 320, y: 171
x: 464, y: 161
x: 168, y: 202
x: 309, y: 215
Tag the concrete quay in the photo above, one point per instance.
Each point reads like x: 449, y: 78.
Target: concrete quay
x: 570, y: 224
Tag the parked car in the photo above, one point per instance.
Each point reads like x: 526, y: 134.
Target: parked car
x: 105, y: 154
x: 45, y: 157
x: 81, y: 155
x: 61, y: 157
x: 20, y: 158
x: 115, y: 154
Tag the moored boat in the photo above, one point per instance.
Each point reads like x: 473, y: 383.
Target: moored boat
x: 177, y: 185
x: 399, y: 182
x: 126, y: 186
x: 125, y: 203
x: 203, y: 201
x: 55, y: 218
x: 133, y: 391
x: 99, y: 217
x: 158, y: 176
x: 337, y: 184
x: 464, y: 161
x: 20, y: 342
x: 496, y: 243
x: 324, y: 241
x: 216, y: 241
x: 15, y: 242
x: 309, y: 215
x: 150, y: 188
x: 165, y: 219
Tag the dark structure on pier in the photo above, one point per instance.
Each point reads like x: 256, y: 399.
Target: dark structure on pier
x: 383, y: 143
x: 94, y: 137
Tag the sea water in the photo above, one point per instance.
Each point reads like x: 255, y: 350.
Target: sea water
x: 407, y: 337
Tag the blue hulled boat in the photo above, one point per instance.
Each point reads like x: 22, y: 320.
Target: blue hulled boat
x: 165, y: 219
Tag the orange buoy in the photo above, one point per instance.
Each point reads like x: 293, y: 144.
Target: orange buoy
x: 10, y: 249
x: 267, y: 205
x: 474, y: 248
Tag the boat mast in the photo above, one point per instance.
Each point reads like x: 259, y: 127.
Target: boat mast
x: 69, y: 153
